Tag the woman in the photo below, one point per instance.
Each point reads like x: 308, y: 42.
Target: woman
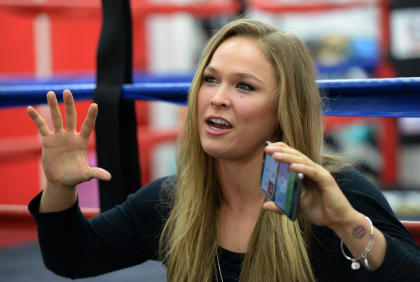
x: 211, y: 222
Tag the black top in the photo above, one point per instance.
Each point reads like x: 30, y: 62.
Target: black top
x: 128, y: 234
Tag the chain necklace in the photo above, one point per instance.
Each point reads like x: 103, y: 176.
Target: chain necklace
x: 218, y: 265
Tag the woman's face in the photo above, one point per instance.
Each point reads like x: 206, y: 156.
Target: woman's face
x: 236, y: 102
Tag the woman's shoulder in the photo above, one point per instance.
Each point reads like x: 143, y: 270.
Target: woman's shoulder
x: 361, y: 192
x: 154, y: 199
x: 349, y: 179
x: 155, y: 190
x: 136, y: 224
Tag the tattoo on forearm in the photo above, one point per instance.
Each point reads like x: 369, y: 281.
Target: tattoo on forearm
x: 359, y: 232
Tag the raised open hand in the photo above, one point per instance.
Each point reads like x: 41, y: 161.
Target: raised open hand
x: 64, y: 150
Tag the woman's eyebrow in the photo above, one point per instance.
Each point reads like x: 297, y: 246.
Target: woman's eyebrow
x: 210, y: 69
x: 249, y: 76
x: 240, y: 75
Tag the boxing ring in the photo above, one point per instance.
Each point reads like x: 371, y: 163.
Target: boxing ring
x: 392, y: 97
x: 383, y: 99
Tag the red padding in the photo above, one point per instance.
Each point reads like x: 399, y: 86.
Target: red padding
x: 17, y: 225
x: 414, y: 228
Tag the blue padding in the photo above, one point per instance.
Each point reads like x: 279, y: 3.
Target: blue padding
x: 168, y: 92
x: 23, y: 95
x: 394, y: 97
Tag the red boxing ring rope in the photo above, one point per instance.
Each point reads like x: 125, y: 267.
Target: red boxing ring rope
x: 307, y: 6
x: 85, y: 7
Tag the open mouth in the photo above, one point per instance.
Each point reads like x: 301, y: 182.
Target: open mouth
x: 218, y: 124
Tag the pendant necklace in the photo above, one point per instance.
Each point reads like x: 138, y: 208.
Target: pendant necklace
x: 218, y: 265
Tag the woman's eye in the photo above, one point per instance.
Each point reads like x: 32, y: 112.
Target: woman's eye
x: 245, y: 86
x: 209, y: 79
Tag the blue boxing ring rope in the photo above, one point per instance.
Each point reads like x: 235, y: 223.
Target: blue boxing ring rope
x: 389, y: 97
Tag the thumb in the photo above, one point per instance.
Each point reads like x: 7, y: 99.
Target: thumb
x: 100, y: 173
x: 271, y: 206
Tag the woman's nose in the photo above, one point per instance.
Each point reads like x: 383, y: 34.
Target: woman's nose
x: 221, y: 97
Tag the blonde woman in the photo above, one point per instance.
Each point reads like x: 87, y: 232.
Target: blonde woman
x: 211, y: 222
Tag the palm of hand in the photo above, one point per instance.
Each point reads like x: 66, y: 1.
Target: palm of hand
x: 64, y: 156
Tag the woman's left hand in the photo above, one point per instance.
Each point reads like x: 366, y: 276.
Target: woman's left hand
x: 322, y: 201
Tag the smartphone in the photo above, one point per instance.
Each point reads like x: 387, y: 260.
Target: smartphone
x: 281, y: 184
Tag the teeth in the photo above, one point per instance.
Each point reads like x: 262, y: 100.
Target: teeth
x: 215, y: 128
x: 219, y: 121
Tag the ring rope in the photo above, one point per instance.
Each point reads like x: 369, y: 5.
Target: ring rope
x: 388, y: 97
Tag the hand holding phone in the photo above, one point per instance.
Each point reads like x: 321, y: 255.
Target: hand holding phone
x: 282, y: 185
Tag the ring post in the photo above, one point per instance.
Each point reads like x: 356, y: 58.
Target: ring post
x: 116, y: 136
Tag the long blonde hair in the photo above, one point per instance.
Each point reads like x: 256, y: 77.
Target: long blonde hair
x: 277, y: 249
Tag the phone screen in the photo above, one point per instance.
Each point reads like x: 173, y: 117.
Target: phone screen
x: 282, y: 185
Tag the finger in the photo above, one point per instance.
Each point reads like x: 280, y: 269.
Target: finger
x: 271, y: 206
x: 100, y: 173
x: 291, y: 158
x: 282, y: 147
x: 89, y: 122
x: 315, y: 172
x: 277, y: 144
x: 55, y: 111
x: 70, y: 110
x: 272, y: 146
x: 39, y: 121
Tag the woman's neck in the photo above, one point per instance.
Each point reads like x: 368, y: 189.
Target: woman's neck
x: 241, y: 203
x: 239, y: 182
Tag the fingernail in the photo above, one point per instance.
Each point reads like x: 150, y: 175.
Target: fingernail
x: 278, y: 155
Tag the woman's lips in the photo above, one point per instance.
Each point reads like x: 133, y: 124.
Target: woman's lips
x: 217, y: 125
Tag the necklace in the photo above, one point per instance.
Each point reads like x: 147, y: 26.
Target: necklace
x: 218, y: 265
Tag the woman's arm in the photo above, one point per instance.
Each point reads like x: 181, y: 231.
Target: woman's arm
x: 64, y: 158
x: 402, y: 255
x: 125, y: 235
x: 323, y: 203
x: 71, y: 245
x: 357, y: 234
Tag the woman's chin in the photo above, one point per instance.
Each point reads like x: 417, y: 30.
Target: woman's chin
x: 215, y: 152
